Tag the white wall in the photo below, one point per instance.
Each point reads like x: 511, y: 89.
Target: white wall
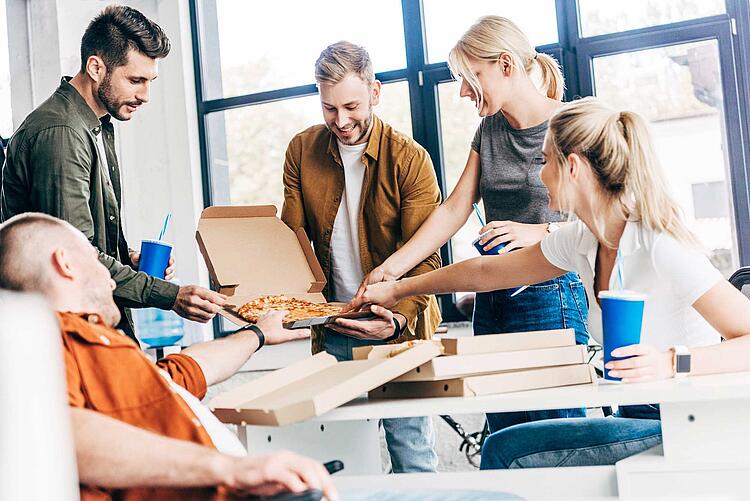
x: 158, y: 148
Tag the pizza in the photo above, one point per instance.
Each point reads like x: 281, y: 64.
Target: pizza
x: 299, y: 309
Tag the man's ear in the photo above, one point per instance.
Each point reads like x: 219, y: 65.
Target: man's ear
x: 375, y: 93
x: 61, y: 264
x: 95, y: 68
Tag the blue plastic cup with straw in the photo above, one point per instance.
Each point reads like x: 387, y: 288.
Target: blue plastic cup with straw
x: 155, y: 253
x: 622, y: 316
x: 495, y: 250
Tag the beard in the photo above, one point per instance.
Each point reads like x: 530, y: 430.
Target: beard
x: 110, y: 101
x: 362, y: 125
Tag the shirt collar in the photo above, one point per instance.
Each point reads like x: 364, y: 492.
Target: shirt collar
x: 92, y: 122
x: 630, y: 241
x: 373, y: 144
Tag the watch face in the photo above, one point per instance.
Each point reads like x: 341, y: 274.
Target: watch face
x: 683, y: 363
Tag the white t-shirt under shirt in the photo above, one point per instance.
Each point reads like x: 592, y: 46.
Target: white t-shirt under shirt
x: 346, y: 267
x: 224, y: 440
x: 673, y: 275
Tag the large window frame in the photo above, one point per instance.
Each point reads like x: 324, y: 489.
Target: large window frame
x: 575, y: 54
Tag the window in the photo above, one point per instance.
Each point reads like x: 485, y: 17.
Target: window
x: 445, y: 22
x: 598, y: 17
x: 248, y: 156
x: 6, y: 116
x: 261, y: 46
x: 678, y: 89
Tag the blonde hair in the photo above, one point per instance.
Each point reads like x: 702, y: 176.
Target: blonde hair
x: 488, y: 39
x: 617, y: 145
x: 338, y: 60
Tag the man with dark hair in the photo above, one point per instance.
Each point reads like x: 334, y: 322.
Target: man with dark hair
x: 62, y: 161
x: 154, y: 439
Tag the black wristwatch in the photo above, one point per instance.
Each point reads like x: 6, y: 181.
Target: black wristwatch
x: 259, y: 333
x: 396, y: 331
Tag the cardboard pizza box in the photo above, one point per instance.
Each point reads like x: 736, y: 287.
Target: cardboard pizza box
x: 490, y: 384
x: 249, y: 252
x: 455, y: 366
x: 312, y: 387
x: 491, y: 343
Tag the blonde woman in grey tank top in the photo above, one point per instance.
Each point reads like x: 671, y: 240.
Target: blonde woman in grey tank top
x: 501, y: 73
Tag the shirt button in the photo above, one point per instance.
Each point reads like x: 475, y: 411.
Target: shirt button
x: 197, y: 422
x: 104, y: 339
x: 111, y: 218
x: 93, y: 319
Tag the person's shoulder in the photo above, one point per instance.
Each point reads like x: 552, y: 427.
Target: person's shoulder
x: 398, y: 143
x: 312, y: 134
x: 54, y: 114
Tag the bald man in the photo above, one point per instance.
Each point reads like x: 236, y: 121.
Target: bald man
x: 140, y: 430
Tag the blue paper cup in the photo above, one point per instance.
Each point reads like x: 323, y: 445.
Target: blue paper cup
x: 622, y: 316
x: 154, y: 257
x: 492, y: 252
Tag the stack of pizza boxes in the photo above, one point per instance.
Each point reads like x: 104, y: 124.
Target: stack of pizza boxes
x: 490, y: 364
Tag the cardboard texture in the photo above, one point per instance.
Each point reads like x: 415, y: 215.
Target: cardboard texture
x: 515, y: 341
x: 454, y: 366
x: 312, y: 387
x: 385, y: 350
x: 491, y: 384
x: 250, y: 252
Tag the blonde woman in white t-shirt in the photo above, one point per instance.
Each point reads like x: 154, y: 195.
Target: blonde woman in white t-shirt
x: 600, y: 165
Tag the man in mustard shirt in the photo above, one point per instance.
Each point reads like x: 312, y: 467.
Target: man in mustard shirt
x: 360, y: 189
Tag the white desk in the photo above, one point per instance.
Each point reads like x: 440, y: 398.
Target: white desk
x: 705, y: 421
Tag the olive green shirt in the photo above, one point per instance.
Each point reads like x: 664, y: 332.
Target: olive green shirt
x: 399, y: 192
x: 54, y: 166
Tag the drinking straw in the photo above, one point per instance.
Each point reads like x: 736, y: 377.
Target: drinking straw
x: 164, y: 228
x: 620, y: 272
x: 479, y: 215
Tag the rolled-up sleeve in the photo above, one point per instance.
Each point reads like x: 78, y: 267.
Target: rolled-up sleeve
x: 186, y: 372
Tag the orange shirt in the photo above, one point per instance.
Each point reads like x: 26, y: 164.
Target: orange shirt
x: 108, y: 373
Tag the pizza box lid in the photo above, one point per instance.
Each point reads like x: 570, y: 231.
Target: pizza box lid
x: 250, y: 252
x: 312, y: 387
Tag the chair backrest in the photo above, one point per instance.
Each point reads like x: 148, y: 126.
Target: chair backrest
x: 37, y: 456
x: 740, y: 279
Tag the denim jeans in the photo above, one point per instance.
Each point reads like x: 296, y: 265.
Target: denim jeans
x: 410, y: 441
x: 574, y: 442
x: 557, y: 304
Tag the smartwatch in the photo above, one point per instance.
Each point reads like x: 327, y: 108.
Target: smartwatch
x: 552, y: 227
x: 259, y: 333
x: 680, y: 361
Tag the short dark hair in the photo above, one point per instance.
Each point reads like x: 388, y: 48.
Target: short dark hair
x: 120, y: 28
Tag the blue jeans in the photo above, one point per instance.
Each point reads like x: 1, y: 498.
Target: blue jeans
x: 574, y: 442
x: 558, y: 304
x: 410, y: 441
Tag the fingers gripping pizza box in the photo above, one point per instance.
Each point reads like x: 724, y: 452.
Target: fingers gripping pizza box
x: 261, y: 264
x: 313, y: 387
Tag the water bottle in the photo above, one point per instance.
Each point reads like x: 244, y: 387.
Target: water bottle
x: 157, y: 327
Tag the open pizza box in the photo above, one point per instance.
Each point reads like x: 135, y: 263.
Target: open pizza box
x: 250, y: 253
x: 313, y: 387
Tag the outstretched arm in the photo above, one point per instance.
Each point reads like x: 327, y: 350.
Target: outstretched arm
x: 486, y: 273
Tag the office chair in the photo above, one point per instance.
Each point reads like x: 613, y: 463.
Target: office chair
x: 740, y: 279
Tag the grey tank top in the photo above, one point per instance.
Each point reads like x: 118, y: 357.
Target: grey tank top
x: 510, y: 162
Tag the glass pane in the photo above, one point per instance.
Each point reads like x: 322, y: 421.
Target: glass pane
x: 610, y: 16
x: 445, y: 23
x: 247, y: 145
x: 6, y: 117
x: 261, y: 46
x: 678, y: 89
x: 458, y: 121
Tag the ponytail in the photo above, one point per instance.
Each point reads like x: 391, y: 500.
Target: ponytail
x: 488, y: 39
x: 553, y: 82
